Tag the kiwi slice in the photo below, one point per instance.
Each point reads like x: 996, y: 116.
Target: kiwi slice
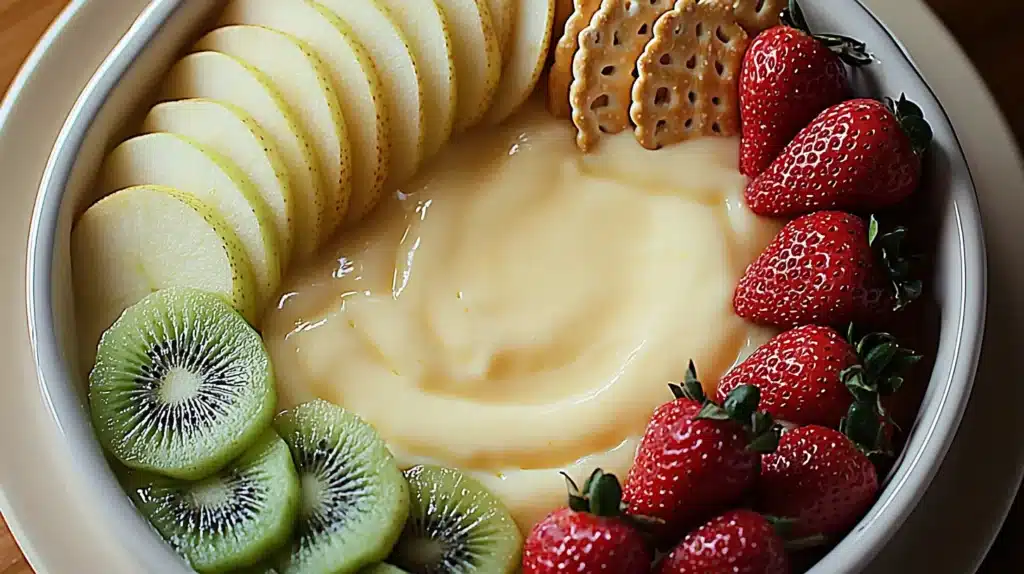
x: 182, y: 385
x: 233, y: 519
x: 383, y: 568
x: 354, y: 497
x: 455, y: 526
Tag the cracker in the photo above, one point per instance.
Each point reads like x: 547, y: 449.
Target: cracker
x: 756, y: 16
x: 603, y: 67
x: 560, y: 75
x: 689, y: 75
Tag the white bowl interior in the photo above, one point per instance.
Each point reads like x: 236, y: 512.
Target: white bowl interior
x: 121, y: 88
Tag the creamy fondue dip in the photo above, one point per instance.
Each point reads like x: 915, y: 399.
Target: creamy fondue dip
x: 519, y: 307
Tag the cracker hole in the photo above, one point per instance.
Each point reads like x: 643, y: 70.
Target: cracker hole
x: 662, y: 96
x: 692, y: 62
x: 678, y: 30
x: 715, y: 127
x: 758, y: 9
x: 719, y: 68
x: 699, y: 30
x: 599, y: 102
x: 607, y: 70
x: 722, y: 35
x: 693, y: 97
x: 615, y: 38
x: 659, y: 128
x: 716, y: 101
x: 688, y: 124
x: 642, y: 31
x: 597, y: 38
x: 666, y: 59
x: 603, y: 129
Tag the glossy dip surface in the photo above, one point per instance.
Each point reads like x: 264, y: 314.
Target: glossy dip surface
x: 518, y: 308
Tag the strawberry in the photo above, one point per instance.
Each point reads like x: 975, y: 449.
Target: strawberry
x: 788, y: 77
x: 860, y: 155
x: 697, y: 457
x: 589, y: 536
x: 827, y: 268
x: 737, y: 542
x: 811, y: 375
x: 818, y: 478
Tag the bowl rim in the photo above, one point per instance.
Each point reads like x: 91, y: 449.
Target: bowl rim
x: 941, y: 430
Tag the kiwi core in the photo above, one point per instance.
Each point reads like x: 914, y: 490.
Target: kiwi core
x: 519, y: 307
x: 179, y: 385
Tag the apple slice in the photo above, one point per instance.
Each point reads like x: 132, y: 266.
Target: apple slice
x: 142, y: 239
x: 216, y: 76
x: 232, y: 133
x: 303, y: 81
x: 427, y: 30
x: 355, y: 81
x: 477, y: 58
x: 172, y: 160
x: 502, y: 14
x: 526, y: 59
x: 378, y: 32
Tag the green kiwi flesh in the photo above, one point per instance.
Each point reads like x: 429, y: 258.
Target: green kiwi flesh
x: 383, y: 568
x: 231, y: 520
x: 354, y: 498
x: 455, y: 526
x: 182, y: 385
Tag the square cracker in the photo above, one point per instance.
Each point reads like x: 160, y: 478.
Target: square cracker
x: 560, y: 75
x: 689, y: 75
x: 603, y: 67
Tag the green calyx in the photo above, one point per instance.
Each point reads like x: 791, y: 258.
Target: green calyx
x: 898, y: 266
x: 740, y: 406
x: 851, y: 51
x: 690, y: 388
x: 880, y: 373
x: 601, y: 494
x: 911, y: 120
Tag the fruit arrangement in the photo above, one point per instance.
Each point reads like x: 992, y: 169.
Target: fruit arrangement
x: 291, y: 118
x: 182, y: 395
x: 284, y: 124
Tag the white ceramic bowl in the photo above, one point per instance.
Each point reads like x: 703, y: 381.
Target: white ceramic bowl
x: 113, y: 97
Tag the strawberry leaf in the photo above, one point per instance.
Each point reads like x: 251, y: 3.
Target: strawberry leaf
x: 691, y: 388
x: 853, y: 52
x: 741, y: 403
x: 889, y: 247
x: 911, y: 119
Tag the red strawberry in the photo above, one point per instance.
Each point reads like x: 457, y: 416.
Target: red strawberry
x: 826, y: 268
x: 810, y: 375
x: 590, y: 536
x: 860, y: 155
x: 737, y: 542
x: 818, y: 478
x: 788, y: 78
x: 697, y: 457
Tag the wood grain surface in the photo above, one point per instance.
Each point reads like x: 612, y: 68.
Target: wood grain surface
x: 22, y: 22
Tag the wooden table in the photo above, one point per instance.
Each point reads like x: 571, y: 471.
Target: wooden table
x: 23, y: 21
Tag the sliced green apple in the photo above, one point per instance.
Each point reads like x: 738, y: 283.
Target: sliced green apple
x: 378, y: 32
x: 142, y: 239
x: 355, y: 80
x: 303, y: 80
x: 427, y: 30
x: 477, y: 58
x: 502, y: 14
x: 217, y: 76
x: 172, y: 160
x: 528, y: 53
x: 229, y: 131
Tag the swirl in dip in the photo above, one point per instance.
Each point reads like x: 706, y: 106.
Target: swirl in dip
x: 519, y: 307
